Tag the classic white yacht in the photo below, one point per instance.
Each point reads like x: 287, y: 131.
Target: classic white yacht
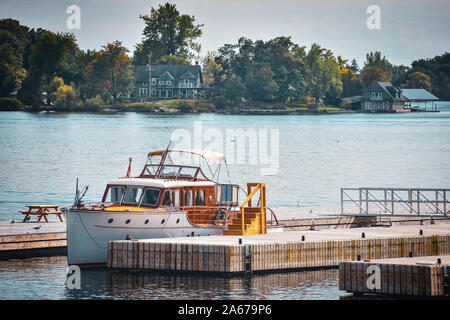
x: 165, y: 200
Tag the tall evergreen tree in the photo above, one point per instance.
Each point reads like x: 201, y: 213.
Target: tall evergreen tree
x: 168, y: 33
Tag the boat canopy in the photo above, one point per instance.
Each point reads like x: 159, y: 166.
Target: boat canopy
x: 208, y: 155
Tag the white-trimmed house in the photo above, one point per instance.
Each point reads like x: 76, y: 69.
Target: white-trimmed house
x: 168, y: 82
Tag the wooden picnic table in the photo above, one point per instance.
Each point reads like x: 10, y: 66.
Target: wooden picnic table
x: 42, y: 211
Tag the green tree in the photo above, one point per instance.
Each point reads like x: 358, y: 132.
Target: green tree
x: 342, y: 63
x: 287, y: 62
x: 351, y: 83
x: 235, y: 89
x: 49, y: 52
x: 11, y: 71
x: 20, y: 37
x: 354, y: 67
x: 399, y: 75
x: 418, y: 80
x: 141, y: 56
x: 260, y: 83
x: 278, y: 71
x: 78, y: 73
x: 52, y: 87
x: 168, y: 33
x: 172, y: 59
x: 374, y: 59
x: 373, y: 74
x: 322, y: 74
x: 14, y: 55
x: 210, y: 67
x: 438, y: 69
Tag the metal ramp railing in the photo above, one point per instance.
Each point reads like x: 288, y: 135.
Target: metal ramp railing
x: 410, y: 202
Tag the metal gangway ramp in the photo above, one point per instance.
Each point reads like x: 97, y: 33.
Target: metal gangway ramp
x: 405, y: 202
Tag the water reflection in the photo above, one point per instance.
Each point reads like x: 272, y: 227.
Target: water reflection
x: 45, y: 278
x: 319, y: 284
x: 33, y: 278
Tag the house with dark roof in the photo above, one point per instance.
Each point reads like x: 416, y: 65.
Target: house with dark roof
x: 168, y: 82
x: 383, y: 96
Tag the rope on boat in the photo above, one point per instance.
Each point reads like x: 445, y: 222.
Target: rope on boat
x: 90, y: 236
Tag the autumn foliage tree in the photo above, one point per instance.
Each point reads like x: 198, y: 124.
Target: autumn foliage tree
x: 63, y: 95
x: 111, y: 70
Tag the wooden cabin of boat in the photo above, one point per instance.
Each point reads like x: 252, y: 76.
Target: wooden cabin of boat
x: 175, y: 187
x: 167, y: 187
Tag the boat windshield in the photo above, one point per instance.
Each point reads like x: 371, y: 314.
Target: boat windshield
x: 115, y: 194
x: 150, y: 197
x: 130, y: 195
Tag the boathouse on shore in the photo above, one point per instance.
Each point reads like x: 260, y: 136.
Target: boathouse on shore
x: 418, y: 100
x: 383, y: 96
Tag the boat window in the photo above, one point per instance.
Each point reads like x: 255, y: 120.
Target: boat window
x: 188, y: 198
x: 169, y: 171
x: 114, y: 194
x: 227, y: 192
x: 167, y: 199
x: 200, y: 198
x: 150, y: 197
x: 150, y: 170
x: 176, y: 198
x: 132, y: 195
x: 187, y: 172
x: 235, y: 194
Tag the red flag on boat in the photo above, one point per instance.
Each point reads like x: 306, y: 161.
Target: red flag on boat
x: 129, y: 168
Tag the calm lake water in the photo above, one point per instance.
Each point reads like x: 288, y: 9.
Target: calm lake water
x: 44, y: 278
x: 42, y: 154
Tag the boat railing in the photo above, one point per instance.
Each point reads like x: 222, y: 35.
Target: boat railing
x: 217, y: 216
x: 172, y: 171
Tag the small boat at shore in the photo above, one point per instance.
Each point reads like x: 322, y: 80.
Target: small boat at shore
x: 165, y: 200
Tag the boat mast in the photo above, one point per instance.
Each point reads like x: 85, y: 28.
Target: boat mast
x: 163, y: 159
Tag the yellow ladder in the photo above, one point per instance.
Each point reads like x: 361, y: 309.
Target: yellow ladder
x: 250, y: 219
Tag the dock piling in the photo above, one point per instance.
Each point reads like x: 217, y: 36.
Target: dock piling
x: 273, y: 252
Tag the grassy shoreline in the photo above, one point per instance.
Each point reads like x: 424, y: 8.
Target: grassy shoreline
x: 185, y: 106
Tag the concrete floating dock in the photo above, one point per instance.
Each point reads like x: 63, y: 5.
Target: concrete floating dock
x: 278, y: 251
x: 417, y: 276
x: 32, y: 238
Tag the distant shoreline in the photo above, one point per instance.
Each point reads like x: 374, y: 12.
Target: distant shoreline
x: 223, y: 112
x: 329, y: 110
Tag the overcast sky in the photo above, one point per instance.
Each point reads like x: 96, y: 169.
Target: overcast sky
x: 410, y: 29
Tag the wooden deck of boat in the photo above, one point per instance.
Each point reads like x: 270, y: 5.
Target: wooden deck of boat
x: 21, y: 239
x: 278, y: 251
x: 413, y: 276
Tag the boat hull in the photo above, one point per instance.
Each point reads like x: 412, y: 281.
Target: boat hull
x: 89, y: 231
